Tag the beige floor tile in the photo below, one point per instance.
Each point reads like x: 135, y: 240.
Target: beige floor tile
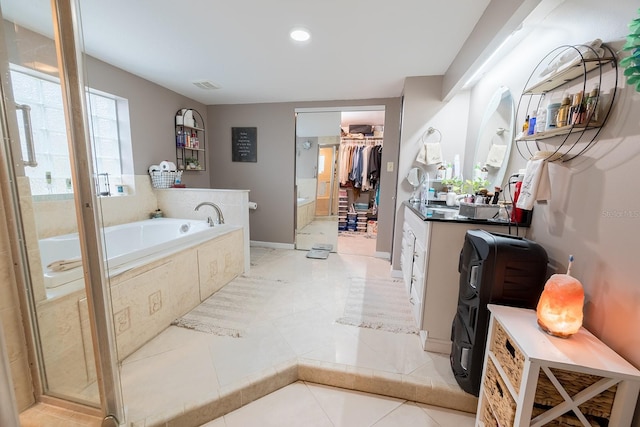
x: 298, y: 322
x: 352, y: 408
x: 291, y: 406
x: 407, y: 414
x: 447, y: 417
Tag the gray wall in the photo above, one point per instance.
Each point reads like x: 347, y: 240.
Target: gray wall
x: 271, y: 180
x: 152, y: 110
x: 598, y: 220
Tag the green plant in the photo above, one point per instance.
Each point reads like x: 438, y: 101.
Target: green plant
x: 475, y: 185
x: 454, y: 184
x: 632, y: 62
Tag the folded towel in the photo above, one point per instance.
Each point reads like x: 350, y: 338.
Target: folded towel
x: 496, y: 155
x: 430, y: 153
x: 536, y: 185
x: 65, y: 264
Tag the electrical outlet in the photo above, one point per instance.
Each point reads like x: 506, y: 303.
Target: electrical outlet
x: 389, y: 166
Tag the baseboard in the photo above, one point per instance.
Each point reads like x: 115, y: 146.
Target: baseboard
x: 273, y: 245
x: 396, y: 274
x: 383, y: 255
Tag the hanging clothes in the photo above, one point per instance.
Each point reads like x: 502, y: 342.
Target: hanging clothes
x: 359, y: 164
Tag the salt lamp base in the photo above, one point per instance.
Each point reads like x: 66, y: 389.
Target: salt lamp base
x: 553, y: 333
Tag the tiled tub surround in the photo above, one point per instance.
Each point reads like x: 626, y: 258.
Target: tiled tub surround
x: 147, y: 295
x: 306, y: 213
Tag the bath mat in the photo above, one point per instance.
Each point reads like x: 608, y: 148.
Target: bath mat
x: 318, y: 254
x: 323, y: 246
x: 231, y: 310
x: 379, y: 304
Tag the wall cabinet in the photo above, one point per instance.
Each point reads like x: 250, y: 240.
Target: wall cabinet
x: 533, y: 379
x: 190, y: 140
x: 429, y: 261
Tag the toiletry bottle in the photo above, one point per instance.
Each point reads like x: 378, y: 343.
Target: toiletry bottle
x: 441, y: 173
x: 541, y: 120
x: 592, y: 106
x: 525, y: 126
x: 563, y: 112
x: 552, y: 115
x: 516, y: 213
x: 532, y: 123
x: 574, y: 116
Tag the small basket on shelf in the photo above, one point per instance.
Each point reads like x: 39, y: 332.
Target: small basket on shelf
x: 165, y: 179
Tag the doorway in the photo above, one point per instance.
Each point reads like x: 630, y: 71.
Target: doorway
x: 338, y: 178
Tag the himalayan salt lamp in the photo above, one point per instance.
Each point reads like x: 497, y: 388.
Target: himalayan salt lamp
x: 560, y: 306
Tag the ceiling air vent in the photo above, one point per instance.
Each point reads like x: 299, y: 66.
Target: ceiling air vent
x: 206, y: 85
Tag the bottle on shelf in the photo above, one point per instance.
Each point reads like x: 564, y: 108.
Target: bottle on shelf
x: 592, y: 105
x: 531, y: 126
x: 541, y: 120
x: 525, y: 126
x: 576, y: 113
x: 563, y: 112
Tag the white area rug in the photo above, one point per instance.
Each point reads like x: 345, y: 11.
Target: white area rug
x: 379, y: 304
x: 231, y: 310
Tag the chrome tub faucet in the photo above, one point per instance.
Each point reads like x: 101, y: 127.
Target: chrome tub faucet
x: 219, y: 220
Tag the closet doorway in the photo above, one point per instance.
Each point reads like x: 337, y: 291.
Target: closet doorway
x: 338, y: 153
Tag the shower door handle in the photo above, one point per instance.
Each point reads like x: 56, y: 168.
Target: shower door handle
x: 28, y: 132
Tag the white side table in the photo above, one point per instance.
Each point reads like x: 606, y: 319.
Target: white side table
x: 531, y: 378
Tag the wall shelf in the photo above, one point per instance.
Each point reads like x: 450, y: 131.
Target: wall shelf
x: 580, y: 76
x: 190, y: 140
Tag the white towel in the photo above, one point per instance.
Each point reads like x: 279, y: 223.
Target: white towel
x: 496, y: 155
x: 65, y: 264
x: 430, y: 154
x: 536, y: 185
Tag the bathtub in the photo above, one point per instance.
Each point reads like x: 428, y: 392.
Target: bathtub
x: 129, y: 245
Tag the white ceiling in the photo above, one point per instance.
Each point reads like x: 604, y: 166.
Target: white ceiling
x: 359, y: 49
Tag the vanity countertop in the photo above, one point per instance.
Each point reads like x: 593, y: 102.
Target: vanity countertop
x: 435, y: 214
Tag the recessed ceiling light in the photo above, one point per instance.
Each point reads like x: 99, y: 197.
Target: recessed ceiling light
x: 300, y: 34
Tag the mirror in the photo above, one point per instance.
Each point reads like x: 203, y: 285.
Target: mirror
x: 494, y: 139
x: 415, y: 177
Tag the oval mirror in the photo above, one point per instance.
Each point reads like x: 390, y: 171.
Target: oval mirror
x: 415, y: 177
x: 494, y: 139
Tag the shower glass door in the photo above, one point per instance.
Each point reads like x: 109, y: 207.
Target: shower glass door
x: 51, y: 171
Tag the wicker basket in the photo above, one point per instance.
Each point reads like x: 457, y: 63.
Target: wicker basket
x: 486, y: 416
x: 164, y: 179
x: 573, y: 383
x: 568, y: 419
x: 508, y: 355
x: 502, y: 404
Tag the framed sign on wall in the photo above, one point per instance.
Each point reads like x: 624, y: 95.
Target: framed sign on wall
x: 244, y: 144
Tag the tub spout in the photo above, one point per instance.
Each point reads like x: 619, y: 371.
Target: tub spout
x: 219, y: 220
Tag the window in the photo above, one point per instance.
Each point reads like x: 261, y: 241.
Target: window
x: 43, y: 95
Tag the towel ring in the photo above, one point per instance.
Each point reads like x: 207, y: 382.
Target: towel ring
x: 429, y: 132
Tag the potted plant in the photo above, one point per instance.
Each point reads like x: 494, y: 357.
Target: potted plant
x: 192, y: 163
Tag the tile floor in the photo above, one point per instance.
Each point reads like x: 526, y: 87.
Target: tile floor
x: 307, y: 404
x: 180, y: 366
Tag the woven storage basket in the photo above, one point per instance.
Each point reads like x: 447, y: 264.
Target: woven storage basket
x: 568, y: 419
x: 502, y: 404
x: 486, y: 416
x: 164, y: 179
x: 508, y: 355
x: 573, y: 383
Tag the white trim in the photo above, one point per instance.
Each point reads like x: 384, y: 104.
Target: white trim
x: 383, y: 255
x: 396, y: 274
x: 273, y: 245
x: 349, y: 108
